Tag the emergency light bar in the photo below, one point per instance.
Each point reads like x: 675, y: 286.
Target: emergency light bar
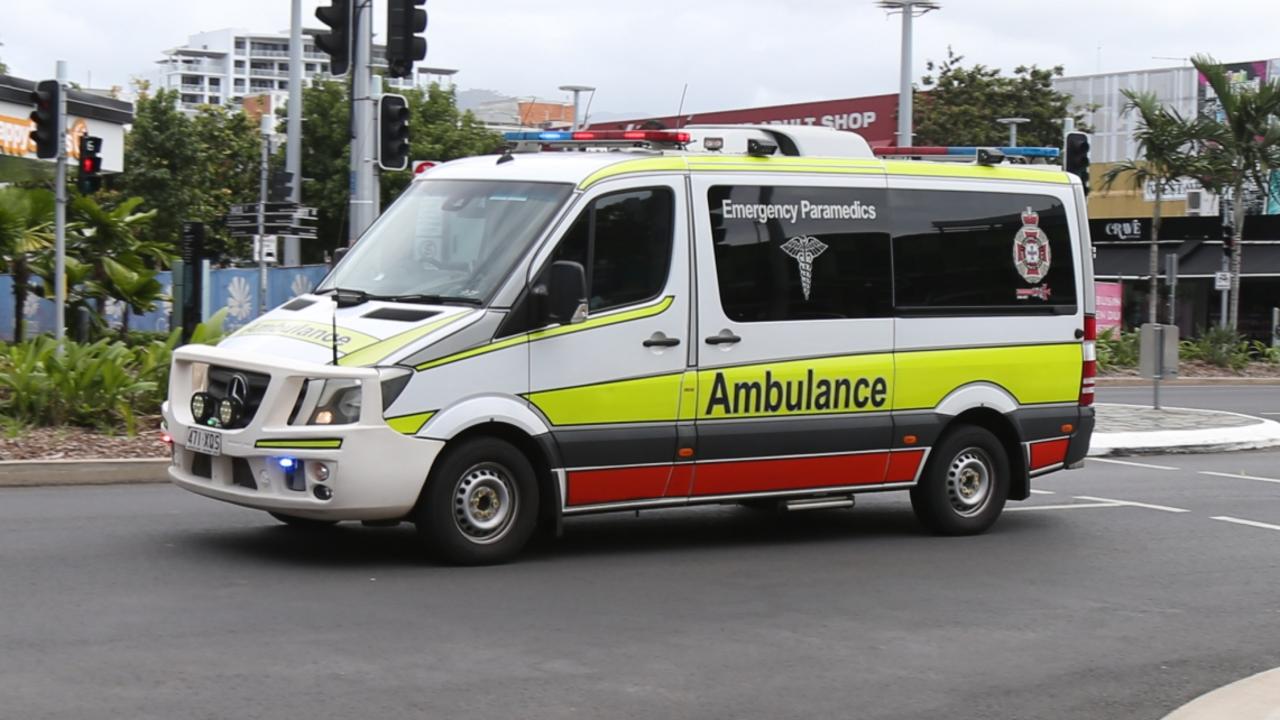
x: 969, y: 151
x: 587, y: 137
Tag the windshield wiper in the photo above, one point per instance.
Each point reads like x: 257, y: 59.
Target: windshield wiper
x: 425, y: 299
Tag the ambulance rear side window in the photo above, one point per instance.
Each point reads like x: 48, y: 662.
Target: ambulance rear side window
x: 981, y: 253
x: 801, y: 253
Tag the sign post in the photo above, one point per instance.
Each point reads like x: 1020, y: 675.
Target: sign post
x: 1158, y: 355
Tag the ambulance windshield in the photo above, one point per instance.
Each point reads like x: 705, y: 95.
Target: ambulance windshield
x: 448, y: 240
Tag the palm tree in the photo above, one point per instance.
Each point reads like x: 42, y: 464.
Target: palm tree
x: 1241, y: 148
x: 1167, y: 151
x: 26, y: 227
x: 107, y: 240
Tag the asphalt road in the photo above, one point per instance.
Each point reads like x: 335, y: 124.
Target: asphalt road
x: 147, y: 602
x: 1260, y: 400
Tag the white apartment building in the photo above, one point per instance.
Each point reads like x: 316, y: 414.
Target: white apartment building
x: 222, y: 67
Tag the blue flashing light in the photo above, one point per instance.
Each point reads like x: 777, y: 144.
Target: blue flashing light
x: 1044, y: 152
x: 538, y: 136
x: 287, y: 463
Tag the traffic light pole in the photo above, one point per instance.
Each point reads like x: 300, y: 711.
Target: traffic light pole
x: 293, y: 144
x: 262, y: 208
x: 60, y: 214
x: 362, y: 209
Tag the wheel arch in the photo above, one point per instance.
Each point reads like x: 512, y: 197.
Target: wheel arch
x: 1000, y: 425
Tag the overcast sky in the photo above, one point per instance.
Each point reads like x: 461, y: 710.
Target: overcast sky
x: 732, y: 53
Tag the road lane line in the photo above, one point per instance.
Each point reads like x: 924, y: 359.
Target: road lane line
x: 1069, y: 506
x: 1149, y: 466
x: 1238, y: 477
x: 1149, y: 506
x: 1250, y: 523
x: 1042, y: 492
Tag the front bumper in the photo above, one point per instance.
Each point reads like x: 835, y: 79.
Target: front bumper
x: 373, y: 472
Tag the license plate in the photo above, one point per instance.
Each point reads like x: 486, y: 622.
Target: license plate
x: 204, y: 441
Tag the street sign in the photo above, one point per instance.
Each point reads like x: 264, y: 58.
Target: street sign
x: 1222, y: 280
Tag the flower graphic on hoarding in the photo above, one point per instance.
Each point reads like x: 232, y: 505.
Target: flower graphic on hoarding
x: 31, y: 306
x: 114, y: 310
x: 239, y: 298
x: 301, y: 285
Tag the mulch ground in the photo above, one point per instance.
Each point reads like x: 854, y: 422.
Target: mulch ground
x: 81, y: 444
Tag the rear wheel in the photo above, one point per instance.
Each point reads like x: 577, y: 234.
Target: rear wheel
x: 480, y: 505
x: 301, y: 522
x: 965, y: 484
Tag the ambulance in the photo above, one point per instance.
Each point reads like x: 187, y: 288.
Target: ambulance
x: 590, y: 322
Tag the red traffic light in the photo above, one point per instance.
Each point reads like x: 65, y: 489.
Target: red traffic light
x: 88, y: 164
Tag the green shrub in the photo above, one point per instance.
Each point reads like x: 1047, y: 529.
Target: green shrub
x: 106, y: 385
x: 1117, y: 349
x: 1217, y: 346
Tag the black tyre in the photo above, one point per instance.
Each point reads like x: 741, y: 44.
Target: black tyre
x: 301, y: 522
x: 965, y: 484
x: 480, y: 504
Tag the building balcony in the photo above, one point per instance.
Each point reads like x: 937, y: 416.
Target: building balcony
x: 257, y: 52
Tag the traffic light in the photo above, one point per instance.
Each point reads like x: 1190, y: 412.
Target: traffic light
x: 336, y: 42
x: 1077, y: 157
x: 48, y: 99
x: 393, y: 132
x: 281, y: 187
x: 90, y: 179
x: 404, y: 22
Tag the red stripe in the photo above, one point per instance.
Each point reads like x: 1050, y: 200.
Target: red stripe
x: 589, y: 487
x: 681, y: 480
x: 729, y: 478
x: 1048, y: 452
x: 903, y: 466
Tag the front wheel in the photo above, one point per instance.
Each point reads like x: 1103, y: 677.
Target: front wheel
x: 965, y: 484
x: 480, y: 505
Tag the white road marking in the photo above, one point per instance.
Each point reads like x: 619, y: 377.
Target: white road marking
x: 1132, y: 503
x: 1042, y: 492
x: 1069, y: 506
x: 1250, y: 523
x: 1149, y: 466
x: 1238, y: 477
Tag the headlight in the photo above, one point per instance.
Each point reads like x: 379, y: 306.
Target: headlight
x: 339, y: 403
x: 202, y: 406
x: 229, y: 412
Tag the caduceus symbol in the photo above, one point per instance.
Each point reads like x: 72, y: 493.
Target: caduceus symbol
x: 805, y: 249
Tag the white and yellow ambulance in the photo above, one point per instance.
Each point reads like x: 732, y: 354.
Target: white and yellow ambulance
x: 762, y: 315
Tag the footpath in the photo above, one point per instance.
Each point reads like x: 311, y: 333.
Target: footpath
x: 1139, y: 429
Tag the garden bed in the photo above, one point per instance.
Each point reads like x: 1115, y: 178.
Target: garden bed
x: 1202, y: 369
x: 67, y: 443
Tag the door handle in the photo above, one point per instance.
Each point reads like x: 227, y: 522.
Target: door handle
x: 660, y: 340
x: 724, y: 338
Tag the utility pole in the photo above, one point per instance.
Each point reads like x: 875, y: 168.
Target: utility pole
x: 60, y: 213
x: 363, y: 177
x: 293, y: 141
x: 1013, y: 123
x: 265, y: 127
x: 909, y: 9
x: 576, y: 90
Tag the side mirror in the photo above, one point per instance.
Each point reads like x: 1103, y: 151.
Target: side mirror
x: 567, y: 292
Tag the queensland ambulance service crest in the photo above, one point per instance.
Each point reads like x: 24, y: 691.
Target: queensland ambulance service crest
x: 1031, y: 255
x: 805, y: 249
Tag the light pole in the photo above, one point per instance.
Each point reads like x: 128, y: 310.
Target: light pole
x: 909, y: 9
x: 1013, y: 124
x: 576, y: 90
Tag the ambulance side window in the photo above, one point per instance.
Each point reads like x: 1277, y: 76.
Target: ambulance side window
x: 629, y: 259
x: 981, y: 252
x: 801, y: 253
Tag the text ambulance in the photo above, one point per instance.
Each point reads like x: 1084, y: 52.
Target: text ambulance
x: 533, y: 336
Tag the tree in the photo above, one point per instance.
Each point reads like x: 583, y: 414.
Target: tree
x: 1168, y: 149
x: 1241, y: 148
x: 959, y: 105
x: 108, y: 241
x: 189, y: 168
x: 438, y: 131
x: 26, y: 227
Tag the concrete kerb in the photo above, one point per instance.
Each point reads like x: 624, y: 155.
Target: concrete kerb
x: 1254, y: 698
x: 32, y: 473
x: 1255, y: 434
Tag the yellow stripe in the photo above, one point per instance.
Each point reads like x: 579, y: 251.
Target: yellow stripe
x: 1032, y: 373
x: 651, y: 399
x: 629, y: 167
x: 689, y: 395
x: 299, y: 444
x: 589, y: 324
x: 780, y: 374
x: 409, y: 424
x: 315, y: 333
x: 966, y: 170
x: 380, y: 350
